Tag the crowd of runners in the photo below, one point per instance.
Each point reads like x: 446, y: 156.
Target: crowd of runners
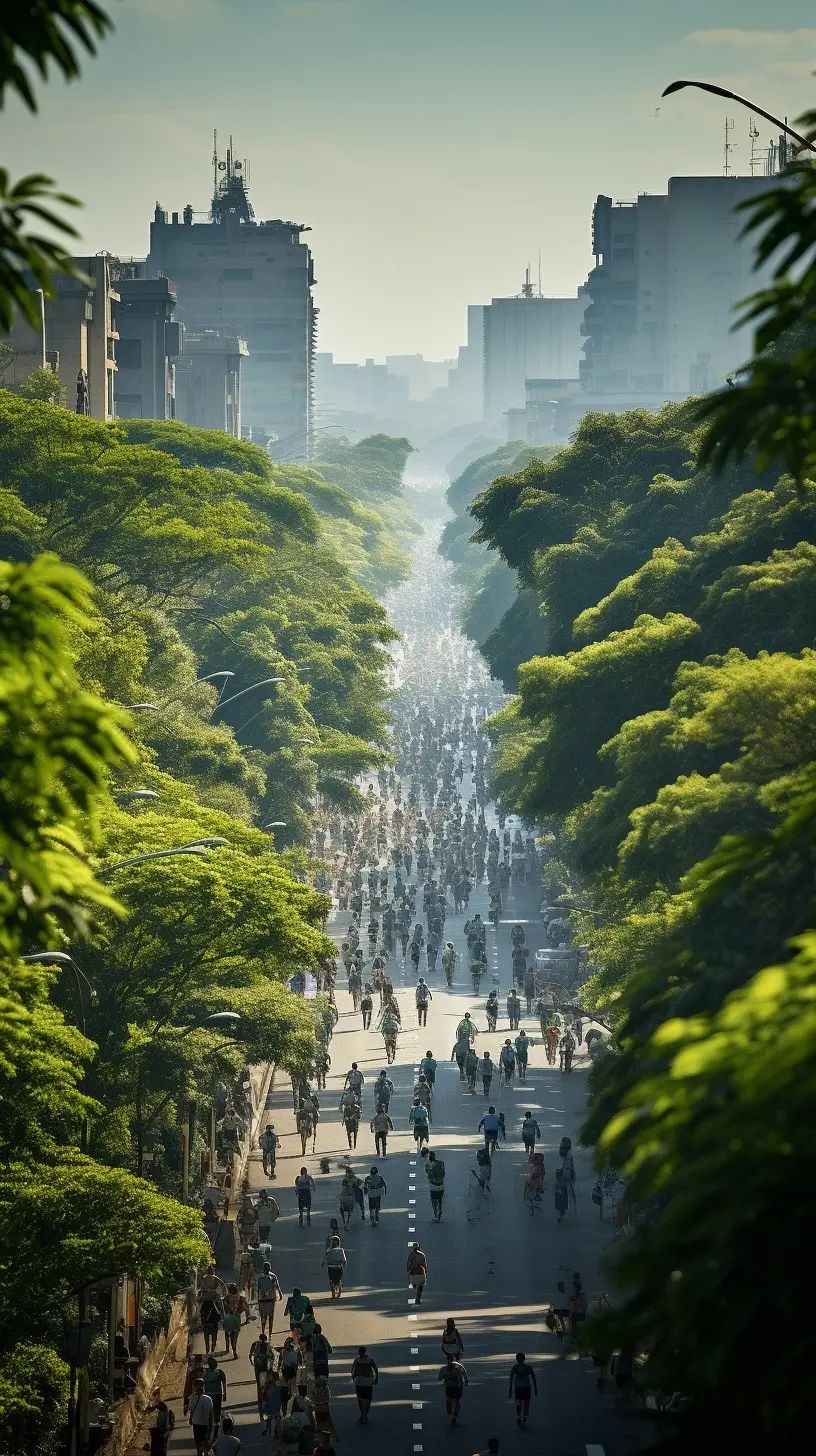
x: 400, y: 871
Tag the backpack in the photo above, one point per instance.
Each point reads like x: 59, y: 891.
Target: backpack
x: 435, y: 1171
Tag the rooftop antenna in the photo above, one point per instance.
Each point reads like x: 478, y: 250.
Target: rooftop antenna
x: 753, y: 137
x: 527, y: 287
x: 215, y: 162
x: 728, y: 145
x: 539, y: 272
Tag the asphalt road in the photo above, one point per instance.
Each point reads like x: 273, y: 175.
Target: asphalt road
x: 492, y: 1265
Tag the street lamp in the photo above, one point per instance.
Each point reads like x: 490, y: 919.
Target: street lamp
x: 305, y: 740
x: 134, y: 859
x: 138, y: 794
x: 210, y: 677
x: 742, y: 101
x: 275, y: 824
x: 41, y: 294
x: 141, y: 707
x: 265, y: 682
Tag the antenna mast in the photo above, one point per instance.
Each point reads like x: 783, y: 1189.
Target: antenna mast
x: 215, y: 162
x: 539, y: 272
x: 753, y: 137
x: 728, y: 145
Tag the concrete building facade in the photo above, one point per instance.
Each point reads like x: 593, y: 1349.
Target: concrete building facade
x: 209, y: 381
x: 80, y: 338
x: 251, y: 281
x: 149, y: 342
x: 527, y: 337
x: 669, y: 271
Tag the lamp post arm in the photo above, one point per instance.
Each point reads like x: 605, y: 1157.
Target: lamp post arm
x: 742, y: 101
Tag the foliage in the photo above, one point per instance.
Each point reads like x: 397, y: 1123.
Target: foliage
x: 33, y: 1399
x: 44, y: 384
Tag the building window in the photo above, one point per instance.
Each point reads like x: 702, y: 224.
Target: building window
x: 129, y: 406
x: 129, y: 353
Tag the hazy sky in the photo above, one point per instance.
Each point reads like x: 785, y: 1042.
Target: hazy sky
x: 433, y: 145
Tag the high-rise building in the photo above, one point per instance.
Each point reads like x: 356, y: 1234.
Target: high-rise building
x: 527, y: 337
x: 669, y: 271
x: 77, y: 337
x: 249, y: 280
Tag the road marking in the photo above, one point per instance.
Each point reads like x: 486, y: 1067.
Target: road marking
x: 416, y: 1386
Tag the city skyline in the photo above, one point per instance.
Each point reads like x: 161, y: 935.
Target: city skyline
x: 384, y: 129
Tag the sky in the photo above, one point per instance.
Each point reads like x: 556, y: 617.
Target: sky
x: 435, y: 147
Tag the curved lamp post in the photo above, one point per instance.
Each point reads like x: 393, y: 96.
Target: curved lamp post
x: 741, y: 101
x: 264, y: 682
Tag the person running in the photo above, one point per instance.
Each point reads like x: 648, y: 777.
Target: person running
x: 267, y: 1211
x: 492, y: 1010
x: 417, y: 1268
x: 269, y: 1292
x: 418, y: 1120
x: 428, y: 1068
x: 381, y: 1125
x: 435, y: 1173
x: 471, y: 1068
x: 365, y: 1375
x: 374, y: 1186
x: 490, y: 1125
x: 487, y: 1068
x: 523, y: 1383
x: 390, y: 1028
x: 304, y: 1187
x: 513, y: 1009
x: 452, y: 1342
x: 530, y: 1132
x: 454, y: 1377
x: 424, y: 994
x: 461, y: 1047
x: 334, y: 1260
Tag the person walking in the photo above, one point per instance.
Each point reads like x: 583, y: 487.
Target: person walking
x: 424, y: 994
x: 365, y: 1375
x: 267, y: 1211
x: 269, y: 1292
x: 428, y: 1068
x: 366, y: 1006
x: 471, y: 1068
x: 417, y: 1267
x: 523, y: 1384
x: 435, y: 1173
x: 530, y: 1132
x: 269, y: 1142
x: 201, y: 1418
x: 568, y: 1165
x: 507, y: 1062
x: 522, y: 1045
x: 487, y: 1067
x: 304, y: 1187
x: 374, y: 1186
x: 454, y: 1377
x: 418, y: 1121
x: 235, y: 1305
x: 560, y: 1194
x: 381, y: 1125
x: 452, y: 1342
x: 321, y: 1350
x: 215, y: 1386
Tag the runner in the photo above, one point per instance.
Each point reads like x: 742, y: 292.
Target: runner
x: 334, y: 1261
x: 381, y: 1125
x: 418, y: 1121
x: 365, y: 1375
x: 375, y: 1187
x: 454, y: 1378
x: 423, y: 996
x: 304, y: 1187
